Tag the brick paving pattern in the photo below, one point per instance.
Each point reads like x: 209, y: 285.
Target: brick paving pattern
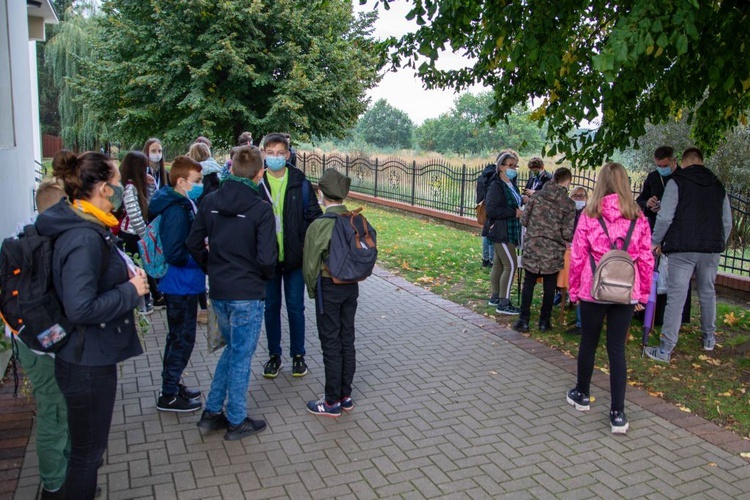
x: 447, y: 404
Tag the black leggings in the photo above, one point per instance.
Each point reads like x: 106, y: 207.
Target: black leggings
x: 618, y: 322
x: 549, y: 282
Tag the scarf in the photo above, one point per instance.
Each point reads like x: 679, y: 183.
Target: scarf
x: 95, y: 213
x: 242, y: 180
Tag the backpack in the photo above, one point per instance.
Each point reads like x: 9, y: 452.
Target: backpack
x: 152, y: 251
x: 353, y: 250
x: 28, y: 301
x: 614, y: 276
x: 481, y: 213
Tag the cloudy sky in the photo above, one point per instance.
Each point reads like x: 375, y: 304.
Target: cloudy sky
x: 403, y: 89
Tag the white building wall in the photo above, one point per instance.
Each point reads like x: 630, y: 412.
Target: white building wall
x: 34, y: 81
x: 17, y: 158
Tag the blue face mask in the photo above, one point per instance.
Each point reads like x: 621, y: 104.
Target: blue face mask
x: 664, y: 171
x: 511, y: 173
x: 275, y: 163
x: 195, y: 192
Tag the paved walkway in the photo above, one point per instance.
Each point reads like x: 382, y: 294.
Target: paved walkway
x: 447, y: 403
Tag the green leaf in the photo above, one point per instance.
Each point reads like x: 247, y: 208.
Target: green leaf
x: 682, y: 44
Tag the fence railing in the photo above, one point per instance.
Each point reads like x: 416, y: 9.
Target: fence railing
x: 437, y: 185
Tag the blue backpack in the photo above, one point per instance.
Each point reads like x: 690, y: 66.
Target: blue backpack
x: 152, y: 251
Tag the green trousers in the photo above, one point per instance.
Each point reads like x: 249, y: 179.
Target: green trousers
x: 52, y: 437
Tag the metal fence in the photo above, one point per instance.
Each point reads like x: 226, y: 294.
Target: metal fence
x: 437, y: 185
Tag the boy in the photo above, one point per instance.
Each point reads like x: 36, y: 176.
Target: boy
x: 184, y: 280
x: 294, y: 207
x: 241, y: 259
x: 338, y: 303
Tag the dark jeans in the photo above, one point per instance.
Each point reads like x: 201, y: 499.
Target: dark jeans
x: 549, y: 282
x: 294, y: 292
x: 336, y: 332
x: 182, y: 312
x: 618, y: 322
x: 89, y: 393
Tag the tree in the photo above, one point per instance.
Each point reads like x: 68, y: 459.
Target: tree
x: 385, y: 126
x: 178, y: 69
x: 49, y: 95
x: 617, y: 64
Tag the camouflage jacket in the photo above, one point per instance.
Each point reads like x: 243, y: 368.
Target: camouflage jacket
x: 549, y: 218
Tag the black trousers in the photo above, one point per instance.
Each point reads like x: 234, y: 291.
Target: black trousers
x: 335, y: 308
x: 549, y: 282
x: 618, y: 322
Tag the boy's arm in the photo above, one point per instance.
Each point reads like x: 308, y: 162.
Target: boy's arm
x: 174, y: 229
x: 312, y: 210
x: 316, y: 243
x: 195, y: 241
x: 267, y: 253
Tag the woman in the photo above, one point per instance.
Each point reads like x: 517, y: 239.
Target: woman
x: 99, y: 288
x: 503, y: 228
x: 156, y: 171
x: 613, y: 202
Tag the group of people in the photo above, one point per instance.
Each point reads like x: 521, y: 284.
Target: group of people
x: 683, y: 212
x: 249, y: 230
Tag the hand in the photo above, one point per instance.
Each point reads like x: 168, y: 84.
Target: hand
x: 639, y: 307
x: 653, y: 204
x: 656, y: 249
x: 525, y: 198
x: 519, y: 213
x: 528, y: 192
x: 150, y: 179
x: 140, y: 282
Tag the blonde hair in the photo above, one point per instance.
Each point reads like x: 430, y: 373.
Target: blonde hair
x: 48, y: 193
x: 613, y: 179
x: 199, y: 152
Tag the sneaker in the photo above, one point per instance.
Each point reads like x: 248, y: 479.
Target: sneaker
x: 558, y: 298
x: 273, y: 366
x: 494, y: 301
x: 347, y: 403
x: 508, y: 309
x: 657, y: 354
x: 619, y: 422
x: 708, y: 342
x: 578, y: 399
x: 299, y: 367
x: 188, y: 393
x: 148, y: 310
x: 486, y: 263
x: 177, y: 404
x: 53, y: 495
x: 545, y: 325
x: 322, y: 408
x: 573, y: 330
x: 159, y: 303
x: 521, y: 326
x: 246, y: 428
x: 213, y: 421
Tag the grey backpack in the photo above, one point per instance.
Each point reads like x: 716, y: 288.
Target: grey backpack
x: 614, y: 275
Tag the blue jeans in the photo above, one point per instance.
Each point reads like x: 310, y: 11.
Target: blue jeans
x: 239, y: 322
x: 182, y: 313
x: 488, y: 249
x: 294, y: 291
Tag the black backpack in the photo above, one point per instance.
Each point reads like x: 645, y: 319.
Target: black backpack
x: 353, y: 250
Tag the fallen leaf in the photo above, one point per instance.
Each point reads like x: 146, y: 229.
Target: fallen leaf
x: 725, y: 394
x: 657, y: 394
x: 711, y: 464
x: 745, y: 455
x: 493, y: 372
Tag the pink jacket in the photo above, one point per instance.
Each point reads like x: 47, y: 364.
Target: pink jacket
x: 590, y: 239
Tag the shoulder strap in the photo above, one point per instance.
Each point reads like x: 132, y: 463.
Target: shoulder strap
x: 629, y: 235
x: 604, y: 226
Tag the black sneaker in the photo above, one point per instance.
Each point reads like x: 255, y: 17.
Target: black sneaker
x: 574, y: 330
x: 508, y: 309
x: 545, y: 325
x: 494, y: 301
x: 177, y: 403
x: 521, y: 326
x: 299, y: 367
x: 246, y: 428
x: 273, y: 366
x: 213, y: 421
x: 188, y: 393
x: 347, y: 404
x: 579, y: 400
x: 619, y: 422
x: 58, y: 494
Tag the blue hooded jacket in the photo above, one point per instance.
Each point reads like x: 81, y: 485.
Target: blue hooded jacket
x: 183, y: 277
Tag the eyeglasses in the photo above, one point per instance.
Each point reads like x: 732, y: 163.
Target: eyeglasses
x: 511, y: 165
x: 579, y: 197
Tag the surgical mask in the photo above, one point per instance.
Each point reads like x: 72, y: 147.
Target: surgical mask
x: 664, y: 171
x: 511, y: 173
x: 154, y: 158
x: 116, y: 197
x: 195, y: 192
x: 275, y: 163
x: 580, y: 204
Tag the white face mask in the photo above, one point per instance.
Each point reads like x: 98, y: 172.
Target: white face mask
x: 155, y: 158
x: 580, y: 204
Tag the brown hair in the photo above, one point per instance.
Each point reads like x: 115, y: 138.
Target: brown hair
x: 613, y: 179
x: 247, y: 162
x: 692, y: 152
x: 561, y: 175
x: 81, y: 173
x: 48, y: 193
x: 203, y: 140
x: 181, y: 168
x: 162, y: 171
x: 275, y: 138
x: 133, y: 170
x: 199, y: 151
x: 245, y: 138
x: 506, y: 152
x: 536, y: 162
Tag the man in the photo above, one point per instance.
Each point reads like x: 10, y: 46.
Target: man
x: 538, y: 178
x: 692, y: 227
x: 488, y: 252
x: 240, y: 260
x: 294, y: 207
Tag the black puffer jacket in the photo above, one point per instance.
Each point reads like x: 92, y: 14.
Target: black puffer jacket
x: 498, y: 212
x: 92, y: 281
x: 297, y: 215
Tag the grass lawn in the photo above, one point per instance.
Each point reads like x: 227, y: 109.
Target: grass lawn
x: 447, y: 261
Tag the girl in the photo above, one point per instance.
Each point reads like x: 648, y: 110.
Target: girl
x: 613, y: 203
x: 156, y: 171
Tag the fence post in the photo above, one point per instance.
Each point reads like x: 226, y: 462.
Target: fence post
x: 463, y: 190
x: 375, y: 191
x: 324, y: 165
x: 346, y: 163
x: 304, y: 163
x: 413, y: 181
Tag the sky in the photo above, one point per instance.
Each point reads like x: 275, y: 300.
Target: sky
x: 403, y: 89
